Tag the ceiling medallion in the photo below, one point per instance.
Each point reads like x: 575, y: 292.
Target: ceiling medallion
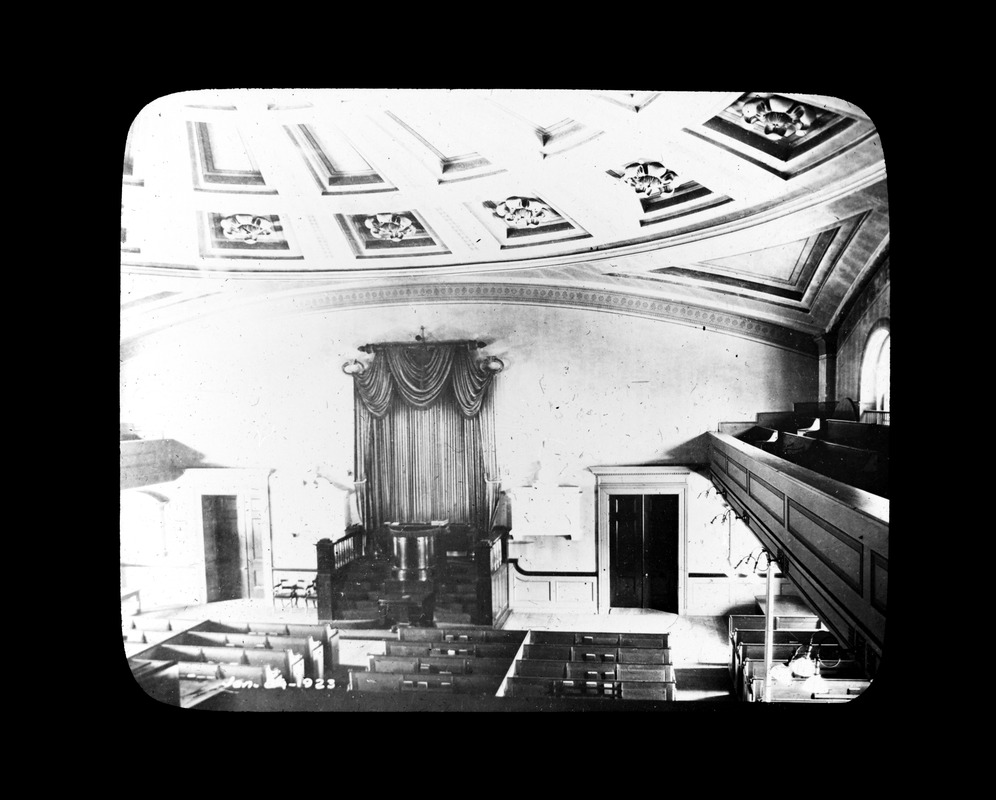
x: 520, y: 212
x: 649, y: 177
x: 246, y: 228
x: 390, y: 226
x: 777, y: 124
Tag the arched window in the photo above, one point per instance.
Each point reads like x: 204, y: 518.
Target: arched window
x: 875, y: 369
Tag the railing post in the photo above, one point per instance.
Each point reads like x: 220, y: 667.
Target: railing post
x: 324, y: 583
x: 482, y: 561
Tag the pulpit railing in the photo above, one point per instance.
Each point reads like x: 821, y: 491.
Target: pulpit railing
x: 333, y: 558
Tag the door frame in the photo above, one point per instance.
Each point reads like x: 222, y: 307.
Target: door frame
x: 638, y: 480
x: 244, y: 484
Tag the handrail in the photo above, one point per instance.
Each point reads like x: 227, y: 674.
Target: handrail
x: 514, y: 562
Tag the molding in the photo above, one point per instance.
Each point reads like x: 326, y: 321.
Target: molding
x: 514, y: 562
x: 312, y: 300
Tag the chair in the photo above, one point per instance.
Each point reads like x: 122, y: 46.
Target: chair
x: 286, y: 592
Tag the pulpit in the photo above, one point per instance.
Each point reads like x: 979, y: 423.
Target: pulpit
x: 414, y: 549
x: 410, y: 595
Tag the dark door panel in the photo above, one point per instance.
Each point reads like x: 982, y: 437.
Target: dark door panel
x: 643, y: 551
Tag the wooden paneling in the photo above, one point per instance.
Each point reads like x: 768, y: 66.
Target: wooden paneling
x: 769, y: 497
x: 840, y: 552
x: 737, y: 472
x: 557, y: 592
x: 879, y: 581
x: 834, y: 538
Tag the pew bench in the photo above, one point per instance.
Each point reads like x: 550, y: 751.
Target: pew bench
x: 756, y: 622
x: 752, y: 686
x: 838, y: 690
x: 517, y: 686
x: 312, y: 650
x: 780, y: 653
x: 458, y: 665
x: 598, y: 654
x: 459, y: 635
x: 584, y: 671
x: 628, y: 640
x: 291, y: 665
x: 321, y: 632
x: 363, y: 681
x: 467, y: 649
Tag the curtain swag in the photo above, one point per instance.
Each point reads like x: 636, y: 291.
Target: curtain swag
x: 420, y: 376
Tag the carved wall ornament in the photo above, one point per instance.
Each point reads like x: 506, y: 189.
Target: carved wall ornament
x: 780, y: 124
x: 650, y: 178
x: 521, y: 212
x: 390, y: 226
x: 246, y: 228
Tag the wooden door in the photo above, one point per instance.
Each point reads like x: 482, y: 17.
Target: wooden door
x: 643, y: 551
x: 224, y: 560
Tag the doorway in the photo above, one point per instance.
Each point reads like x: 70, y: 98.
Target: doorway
x: 225, y: 558
x: 643, y: 551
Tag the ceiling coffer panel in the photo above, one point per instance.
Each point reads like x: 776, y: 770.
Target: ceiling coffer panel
x: 782, y: 135
x: 237, y: 236
x: 390, y: 235
x: 334, y: 162
x: 745, y: 203
x: 222, y: 161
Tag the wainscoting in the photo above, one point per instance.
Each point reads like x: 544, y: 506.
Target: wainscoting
x: 567, y: 592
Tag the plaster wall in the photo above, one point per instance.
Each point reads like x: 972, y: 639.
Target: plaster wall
x: 580, y: 388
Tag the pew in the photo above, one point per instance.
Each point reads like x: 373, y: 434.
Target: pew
x: 439, y: 664
x: 789, y: 421
x: 756, y: 622
x: 517, y: 686
x: 864, y: 469
x: 459, y: 635
x: 838, y: 690
x: 471, y: 649
x: 597, y: 654
x: 751, y: 687
x: 634, y: 666
x: 642, y: 640
x: 364, y: 681
x: 760, y: 437
x: 312, y: 650
x: 583, y: 671
x: 780, y: 652
x: 784, y: 636
x: 290, y: 664
x: 858, y: 434
x: 321, y: 632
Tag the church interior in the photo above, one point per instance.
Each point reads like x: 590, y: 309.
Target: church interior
x: 503, y: 400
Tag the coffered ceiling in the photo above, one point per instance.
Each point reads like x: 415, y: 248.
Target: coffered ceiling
x: 754, y: 212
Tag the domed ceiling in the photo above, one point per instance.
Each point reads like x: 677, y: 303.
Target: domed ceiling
x: 754, y: 212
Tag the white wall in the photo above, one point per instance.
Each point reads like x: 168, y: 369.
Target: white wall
x: 580, y: 388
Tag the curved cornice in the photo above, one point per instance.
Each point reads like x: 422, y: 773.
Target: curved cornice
x: 314, y: 300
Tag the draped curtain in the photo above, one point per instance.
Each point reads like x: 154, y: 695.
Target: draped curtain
x: 425, y: 440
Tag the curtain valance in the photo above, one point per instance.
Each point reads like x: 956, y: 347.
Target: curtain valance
x: 420, y: 375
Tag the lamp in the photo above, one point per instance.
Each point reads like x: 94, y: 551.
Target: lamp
x: 494, y: 364
x: 802, y: 665
x: 353, y: 367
